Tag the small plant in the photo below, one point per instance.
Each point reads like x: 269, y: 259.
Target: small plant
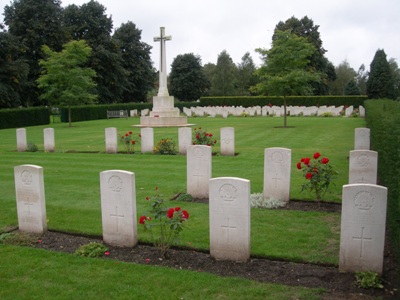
x: 92, y: 249
x: 318, y: 174
x: 128, y: 142
x: 326, y: 114
x: 368, y: 280
x: 167, y: 222
x: 203, y: 138
x: 257, y: 200
x: 18, y: 238
x: 31, y: 147
x: 185, y: 197
x: 165, y: 146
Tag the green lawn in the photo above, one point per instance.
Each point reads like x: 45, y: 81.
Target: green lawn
x: 72, y: 184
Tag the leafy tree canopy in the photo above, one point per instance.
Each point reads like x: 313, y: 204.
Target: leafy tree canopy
x: 380, y: 83
x: 224, y: 75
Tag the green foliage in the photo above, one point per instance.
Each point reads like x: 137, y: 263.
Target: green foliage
x: 368, y: 280
x: 128, y: 142
x: 318, y: 173
x: 202, y: 137
x: 64, y: 81
x: 169, y: 221
x: 92, y: 249
x: 223, y: 76
x: 344, y: 74
x: 257, y: 200
x: 351, y: 88
x: 185, y: 197
x: 165, y: 146
x: 18, y: 238
x: 245, y: 75
x: 32, y: 147
x: 187, y: 80
x: 380, y: 83
x: 22, y: 117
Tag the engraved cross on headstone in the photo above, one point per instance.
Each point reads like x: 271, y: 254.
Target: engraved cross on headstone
x: 362, y: 238
x: 163, y: 89
x: 28, y: 203
x: 228, y: 227
x: 116, y: 215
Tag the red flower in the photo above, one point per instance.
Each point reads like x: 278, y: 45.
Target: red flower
x: 309, y: 175
x: 317, y: 155
x: 107, y: 253
x: 142, y: 219
x: 185, y: 214
x: 170, y: 213
x: 177, y: 208
x: 210, y: 134
x: 302, y: 160
x: 147, y: 198
x: 215, y: 141
x: 130, y: 132
x: 197, y: 136
x: 208, y: 145
x: 306, y: 160
x: 133, y: 142
x: 299, y: 165
x: 126, y: 134
x: 325, y: 160
x: 156, y: 188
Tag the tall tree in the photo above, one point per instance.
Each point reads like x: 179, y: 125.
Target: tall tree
x: 344, y: 74
x: 380, y: 83
x: 64, y: 79
x: 187, y: 80
x: 286, y: 70
x: 223, y: 81
x: 361, y: 78
x: 351, y: 88
x: 305, y: 28
x: 13, y: 71
x: 91, y: 23
x: 209, y: 71
x: 394, y: 67
x: 245, y: 75
x: 136, y: 61
x: 36, y: 23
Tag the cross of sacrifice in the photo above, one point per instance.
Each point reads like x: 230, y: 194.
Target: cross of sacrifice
x: 228, y: 227
x: 362, y: 238
x: 116, y: 216
x: 163, y: 89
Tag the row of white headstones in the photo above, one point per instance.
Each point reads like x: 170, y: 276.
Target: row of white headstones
x: 363, y: 216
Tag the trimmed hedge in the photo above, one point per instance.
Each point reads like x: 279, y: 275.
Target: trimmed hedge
x: 23, y: 117
x: 97, y: 112
x: 356, y: 101
x: 383, y: 119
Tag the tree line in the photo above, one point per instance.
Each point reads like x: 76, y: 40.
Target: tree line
x: 36, y: 30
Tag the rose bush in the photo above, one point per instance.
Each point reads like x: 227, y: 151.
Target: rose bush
x: 318, y: 174
x: 203, y: 138
x: 128, y: 142
x: 169, y: 221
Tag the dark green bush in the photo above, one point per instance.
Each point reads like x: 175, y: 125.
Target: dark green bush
x: 22, y: 117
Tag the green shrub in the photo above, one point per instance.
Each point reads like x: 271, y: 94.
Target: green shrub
x: 185, y: 197
x: 31, y: 147
x: 22, y: 117
x: 165, y: 146
x: 92, y: 249
x: 368, y: 280
x: 257, y: 200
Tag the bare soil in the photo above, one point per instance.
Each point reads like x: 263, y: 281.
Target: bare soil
x: 338, y: 285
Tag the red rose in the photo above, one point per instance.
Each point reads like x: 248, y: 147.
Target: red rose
x: 197, y: 136
x: 325, y: 160
x: 215, y: 141
x: 302, y: 160
x: 177, y: 208
x: 147, y: 198
x: 170, y: 213
x: 309, y: 175
x: 208, y: 145
x: 306, y: 160
x: 210, y: 134
x: 126, y: 134
x: 133, y: 142
x: 130, y: 132
x: 142, y: 219
x: 185, y: 214
x: 317, y: 155
x: 299, y: 165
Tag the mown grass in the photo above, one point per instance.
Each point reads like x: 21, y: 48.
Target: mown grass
x: 72, y: 184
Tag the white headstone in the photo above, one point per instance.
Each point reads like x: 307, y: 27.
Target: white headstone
x: 147, y: 142
x: 349, y: 111
x: 198, y: 170
x: 363, y: 222
x: 49, y: 143
x: 118, y: 208
x: 111, y: 140
x: 21, y: 140
x: 230, y: 218
x: 361, y: 110
x: 277, y: 168
x: 363, y: 166
x: 185, y: 139
x: 228, y: 141
x: 362, y: 139
x: 31, y: 204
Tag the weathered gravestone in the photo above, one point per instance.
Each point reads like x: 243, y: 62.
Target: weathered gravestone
x: 111, y: 140
x: 363, y: 221
x: 198, y: 170
x: 228, y: 141
x: 361, y: 111
x: 363, y: 166
x: 21, y: 140
x: 230, y: 218
x: 277, y: 169
x: 147, y: 142
x: 185, y: 139
x: 31, y: 206
x: 118, y: 208
x: 361, y: 139
x: 49, y: 143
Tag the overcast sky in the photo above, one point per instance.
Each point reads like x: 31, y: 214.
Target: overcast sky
x: 350, y: 30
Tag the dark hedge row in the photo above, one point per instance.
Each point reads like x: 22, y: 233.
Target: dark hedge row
x: 356, y: 101
x: 383, y: 119
x: 23, y: 117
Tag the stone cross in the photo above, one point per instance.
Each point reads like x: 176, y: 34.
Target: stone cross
x: 163, y: 89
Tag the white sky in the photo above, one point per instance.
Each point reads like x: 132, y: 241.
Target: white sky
x: 350, y: 30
